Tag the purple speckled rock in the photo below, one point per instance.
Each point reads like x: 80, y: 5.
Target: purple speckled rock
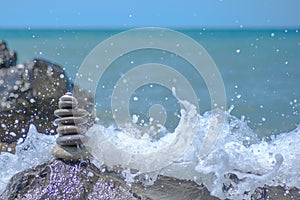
x: 60, y: 180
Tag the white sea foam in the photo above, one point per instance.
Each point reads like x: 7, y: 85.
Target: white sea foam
x: 230, y: 165
x: 35, y: 150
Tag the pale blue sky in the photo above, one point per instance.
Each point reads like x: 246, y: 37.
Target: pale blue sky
x: 137, y: 13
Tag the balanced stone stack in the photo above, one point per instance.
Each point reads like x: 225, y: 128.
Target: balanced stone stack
x: 71, y: 123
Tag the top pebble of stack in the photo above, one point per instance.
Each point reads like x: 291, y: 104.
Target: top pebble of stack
x: 67, y: 101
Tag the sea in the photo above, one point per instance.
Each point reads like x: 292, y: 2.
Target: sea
x: 259, y: 71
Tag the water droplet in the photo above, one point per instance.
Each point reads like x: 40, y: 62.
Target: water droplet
x: 13, y: 134
x: 135, y: 119
x: 90, y: 174
x: 231, y: 109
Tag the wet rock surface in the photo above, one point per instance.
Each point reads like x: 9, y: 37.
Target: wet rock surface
x: 74, y: 180
x: 29, y: 94
x: 59, y: 180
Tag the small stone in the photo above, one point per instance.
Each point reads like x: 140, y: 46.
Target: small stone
x: 71, y: 121
x: 69, y: 112
x: 64, y: 130
x: 71, y: 140
x: 68, y: 97
x: 67, y: 104
x: 70, y: 153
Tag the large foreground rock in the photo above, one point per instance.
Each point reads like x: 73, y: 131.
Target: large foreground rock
x: 60, y: 180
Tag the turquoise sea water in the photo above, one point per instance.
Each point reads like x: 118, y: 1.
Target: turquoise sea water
x: 260, y: 71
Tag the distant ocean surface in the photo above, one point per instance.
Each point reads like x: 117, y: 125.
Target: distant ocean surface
x: 260, y: 70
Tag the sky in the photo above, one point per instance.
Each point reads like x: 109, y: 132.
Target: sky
x: 159, y: 13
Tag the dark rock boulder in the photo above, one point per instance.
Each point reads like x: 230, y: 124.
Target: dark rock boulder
x: 29, y: 94
x: 7, y: 58
x: 60, y: 180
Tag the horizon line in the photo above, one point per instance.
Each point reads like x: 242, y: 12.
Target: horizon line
x: 133, y: 27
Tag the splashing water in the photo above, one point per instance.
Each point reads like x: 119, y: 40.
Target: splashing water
x: 232, y: 166
x: 35, y: 150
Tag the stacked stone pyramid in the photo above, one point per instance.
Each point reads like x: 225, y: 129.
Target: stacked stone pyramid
x: 71, y: 123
